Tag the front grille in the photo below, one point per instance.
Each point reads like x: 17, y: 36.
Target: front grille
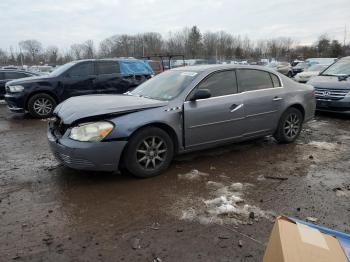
x: 68, y: 160
x: 330, y: 93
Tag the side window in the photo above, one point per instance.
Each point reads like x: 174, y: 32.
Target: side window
x: 81, y: 70
x: 275, y: 80
x: 220, y: 84
x: 14, y: 75
x: 2, y: 76
x: 250, y: 79
x: 106, y: 68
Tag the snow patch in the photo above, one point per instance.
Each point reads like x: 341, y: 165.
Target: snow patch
x: 227, y: 206
x: 193, y: 175
x: 324, y: 145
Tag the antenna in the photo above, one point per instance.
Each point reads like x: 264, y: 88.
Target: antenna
x: 344, y: 36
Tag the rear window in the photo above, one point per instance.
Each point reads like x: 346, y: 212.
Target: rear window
x: 106, y: 68
x: 250, y: 80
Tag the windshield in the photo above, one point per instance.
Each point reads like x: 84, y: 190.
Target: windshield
x: 62, y: 69
x: 317, y: 68
x: 342, y: 67
x: 165, y: 86
x: 301, y: 65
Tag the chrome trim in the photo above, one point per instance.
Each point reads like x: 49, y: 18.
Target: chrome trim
x: 218, y: 122
x: 263, y: 113
x: 234, y: 69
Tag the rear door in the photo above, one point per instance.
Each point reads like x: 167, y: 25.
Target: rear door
x: 79, y: 80
x: 218, y: 118
x: 262, y: 96
x: 109, y: 80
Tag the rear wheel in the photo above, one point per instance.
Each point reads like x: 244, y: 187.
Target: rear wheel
x: 41, y: 105
x: 148, y: 153
x: 290, y: 74
x: 290, y: 126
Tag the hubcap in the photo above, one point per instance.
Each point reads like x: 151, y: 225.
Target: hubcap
x: 292, y: 126
x: 42, y: 106
x: 151, y: 152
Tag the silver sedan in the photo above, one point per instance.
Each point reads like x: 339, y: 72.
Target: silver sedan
x: 178, y: 111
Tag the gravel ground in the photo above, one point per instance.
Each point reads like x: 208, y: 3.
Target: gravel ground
x: 214, y: 205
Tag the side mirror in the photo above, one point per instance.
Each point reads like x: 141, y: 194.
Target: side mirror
x: 201, y: 94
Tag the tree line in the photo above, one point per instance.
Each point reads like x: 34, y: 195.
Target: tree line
x: 190, y: 42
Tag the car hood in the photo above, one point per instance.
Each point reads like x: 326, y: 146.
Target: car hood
x: 329, y: 82
x: 90, y: 106
x: 29, y: 80
x: 308, y: 73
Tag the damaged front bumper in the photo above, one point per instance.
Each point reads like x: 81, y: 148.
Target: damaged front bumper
x: 96, y: 156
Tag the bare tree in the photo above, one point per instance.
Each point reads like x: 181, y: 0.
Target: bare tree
x: 51, y: 54
x: 77, y: 51
x: 32, y: 47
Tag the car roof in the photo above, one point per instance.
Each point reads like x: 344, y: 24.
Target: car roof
x: 213, y: 68
x: 15, y: 70
x: 107, y: 59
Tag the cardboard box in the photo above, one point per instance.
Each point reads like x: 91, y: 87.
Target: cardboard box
x: 294, y: 240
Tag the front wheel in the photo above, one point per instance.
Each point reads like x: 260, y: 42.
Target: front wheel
x: 41, y: 105
x: 290, y: 126
x: 148, y: 153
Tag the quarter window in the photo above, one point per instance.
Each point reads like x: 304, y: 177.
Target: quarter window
x: 275, y: 80
x: 81, y: 70
x: 106, y: 68
x: 249, y: 80
x: 220, y: 84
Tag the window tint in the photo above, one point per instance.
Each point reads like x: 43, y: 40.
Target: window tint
x: 105, y: 68
x: 2, y: 76
x: 249, y: 80
x: 14, y: 75
x: 220, y: 84
x: 83, y: 69
x: 275, y: 80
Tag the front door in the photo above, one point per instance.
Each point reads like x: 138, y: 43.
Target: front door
x: 218, y: 118
x: 79, y: 80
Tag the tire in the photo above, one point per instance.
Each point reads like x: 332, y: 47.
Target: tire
x: 290, y: 74
x: 41, y: 105
x: 289, y: 126
x: 148, y: 153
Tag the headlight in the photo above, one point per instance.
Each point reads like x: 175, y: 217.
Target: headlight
x: 16, y: 89
x: 91, y: 131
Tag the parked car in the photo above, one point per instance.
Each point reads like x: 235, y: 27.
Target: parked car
x: 282, y: 67
x: 40, y: 95
x: 309, y: 72
x: 332, y: 87
x: 300, y: 67
x: 41, y: 70
x: 178, y: 111
x: 7, y: 75
x: 156, y: 66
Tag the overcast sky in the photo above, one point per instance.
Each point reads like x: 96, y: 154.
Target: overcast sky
x: 63, y: 22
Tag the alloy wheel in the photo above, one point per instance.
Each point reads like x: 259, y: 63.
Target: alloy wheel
x: 42, y: 106
x: 292, y: 125
x: 151, y: 152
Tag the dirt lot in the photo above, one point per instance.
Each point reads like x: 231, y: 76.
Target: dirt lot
x: 216, y: 205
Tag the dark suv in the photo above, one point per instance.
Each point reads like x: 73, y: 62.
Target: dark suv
x: 41, y: 94
x: 7, y: 75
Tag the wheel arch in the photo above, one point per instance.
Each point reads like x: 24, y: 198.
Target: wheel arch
x: 299, y: 107
x: 52, y: 94
x: 165, y: 127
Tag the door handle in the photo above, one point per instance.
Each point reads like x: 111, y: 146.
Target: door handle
x: 235, y: 107
x: 276, y: 98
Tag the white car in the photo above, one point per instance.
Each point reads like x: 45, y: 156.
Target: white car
x: 311, y: 71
